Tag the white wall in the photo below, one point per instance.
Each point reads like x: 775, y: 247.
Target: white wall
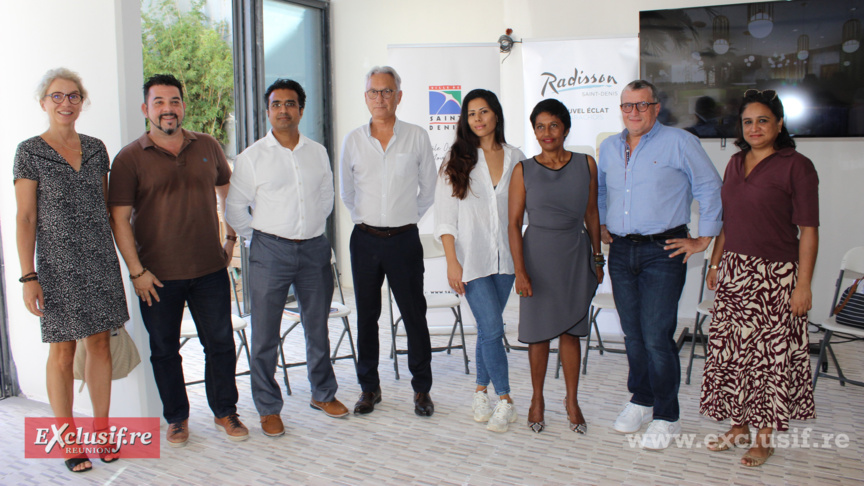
x: 101, y: 40
x: 362, y: 29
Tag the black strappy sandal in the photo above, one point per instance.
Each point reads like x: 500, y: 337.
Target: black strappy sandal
x: 71, y: 464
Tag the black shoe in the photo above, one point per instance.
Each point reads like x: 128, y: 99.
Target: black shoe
x: 367, y: 401
x: 423, y: 405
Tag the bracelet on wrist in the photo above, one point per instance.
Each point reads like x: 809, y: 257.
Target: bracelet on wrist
x: 29, y: 277
x: 133, y: 277
x: 231, y: 237
x: 713, y: 267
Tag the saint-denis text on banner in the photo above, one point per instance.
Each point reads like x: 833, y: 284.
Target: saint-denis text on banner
x: 587, y: 75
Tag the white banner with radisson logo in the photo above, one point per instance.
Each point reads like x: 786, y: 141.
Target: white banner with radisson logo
x: 587, y: 75
x: 434, y: 80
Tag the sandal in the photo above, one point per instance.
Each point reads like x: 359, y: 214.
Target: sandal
x: 71, y: 464
x: 580, y: 428
x: 748, y: 460
x: 113, y: 454
x: 721, y: 443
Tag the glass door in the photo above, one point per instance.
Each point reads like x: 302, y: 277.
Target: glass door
x: 294, y: 48
x: 7, y: 385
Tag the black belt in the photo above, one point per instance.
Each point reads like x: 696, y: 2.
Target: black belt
x: 384, y: 232
x: 280, y: 238
x: 659, y: 236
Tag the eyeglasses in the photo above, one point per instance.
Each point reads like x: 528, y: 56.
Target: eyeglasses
x: 767, y: 93
x: 57, y: 97
x: 642, y: 106
x: 387, y: 93
x: 278, y: 104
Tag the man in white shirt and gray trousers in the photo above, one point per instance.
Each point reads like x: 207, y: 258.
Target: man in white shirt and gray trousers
x: 387, y: 175
x: 286, y: 179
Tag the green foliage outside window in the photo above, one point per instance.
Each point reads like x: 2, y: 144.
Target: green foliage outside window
x: 195, y: 50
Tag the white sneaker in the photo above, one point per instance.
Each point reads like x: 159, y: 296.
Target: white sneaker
x: 502, y: 417
x: 660, y: 434
x: 632, y: 418
x: 481, y: 407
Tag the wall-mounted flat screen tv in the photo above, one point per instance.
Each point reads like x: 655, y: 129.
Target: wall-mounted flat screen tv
x: 810, y: 52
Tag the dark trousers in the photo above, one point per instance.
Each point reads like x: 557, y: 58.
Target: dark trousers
x: 209, y: 300
x: 400, y: 259
x: 647, y: 285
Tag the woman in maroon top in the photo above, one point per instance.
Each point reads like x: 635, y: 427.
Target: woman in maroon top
x: 758, y: 368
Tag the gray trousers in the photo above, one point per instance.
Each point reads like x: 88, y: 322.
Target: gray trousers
x: 274, y: 265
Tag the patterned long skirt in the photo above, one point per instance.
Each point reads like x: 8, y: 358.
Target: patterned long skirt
x: 758, y: 367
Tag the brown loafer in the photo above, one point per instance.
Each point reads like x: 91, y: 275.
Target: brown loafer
x: 367, y: 401
x: 332, y: 408
x: 178, y: 434
x: 423, y: 405
x: 272, y: 425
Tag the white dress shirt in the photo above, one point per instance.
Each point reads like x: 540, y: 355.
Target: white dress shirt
x: 388, y: 188
x: 478, y: 222
x: 290, y: 191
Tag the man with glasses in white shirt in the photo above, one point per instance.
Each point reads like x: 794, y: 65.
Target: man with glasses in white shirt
x: 286, y: 178
x: 387, y: 175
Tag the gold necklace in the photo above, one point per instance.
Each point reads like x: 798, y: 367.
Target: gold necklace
x: 79, y: 149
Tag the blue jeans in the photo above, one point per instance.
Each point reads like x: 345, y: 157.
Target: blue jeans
x: 209, y: 301
x: 647, y: 284
x: 487, y: 297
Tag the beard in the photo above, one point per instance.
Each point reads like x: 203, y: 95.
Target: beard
x: 167, y: 131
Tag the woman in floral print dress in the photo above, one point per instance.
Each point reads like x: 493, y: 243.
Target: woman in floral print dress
x: 60, y: 180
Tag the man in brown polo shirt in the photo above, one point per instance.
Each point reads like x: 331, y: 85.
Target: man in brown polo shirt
x: 163, y: 213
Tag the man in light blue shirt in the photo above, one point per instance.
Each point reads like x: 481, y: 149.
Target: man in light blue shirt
x: 648, y: 177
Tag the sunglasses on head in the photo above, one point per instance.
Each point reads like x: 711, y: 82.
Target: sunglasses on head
x: 755, y: 93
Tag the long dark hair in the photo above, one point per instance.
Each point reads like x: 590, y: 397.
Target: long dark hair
x: 463, y: 153
x: 772, y: 101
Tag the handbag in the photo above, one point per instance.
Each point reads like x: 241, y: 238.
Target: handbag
x: 850, y: 312
x: 124, y: 356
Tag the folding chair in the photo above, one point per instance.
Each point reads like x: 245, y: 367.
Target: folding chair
x: 598, y: 303
x: 444, y: 299
x: 852, y: 267
x: 704, y: 309
x: 238, y: 324
x: 338, y: 310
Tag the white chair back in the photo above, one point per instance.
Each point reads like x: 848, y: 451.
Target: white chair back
x: 853, y: 263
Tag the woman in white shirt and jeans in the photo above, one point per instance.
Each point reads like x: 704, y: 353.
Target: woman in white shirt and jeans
x: 471, y: 222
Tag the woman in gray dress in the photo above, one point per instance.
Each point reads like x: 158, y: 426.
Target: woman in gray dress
x: 556, y: 275
x: 60, y: 183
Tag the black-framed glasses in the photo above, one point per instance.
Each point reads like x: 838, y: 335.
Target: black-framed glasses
x: 74, y: 97
x: 387, y: 93
x: 642, y: 106
x: 766, y: 93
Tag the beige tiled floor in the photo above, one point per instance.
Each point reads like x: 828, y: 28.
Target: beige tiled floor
x: 393, y: 446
